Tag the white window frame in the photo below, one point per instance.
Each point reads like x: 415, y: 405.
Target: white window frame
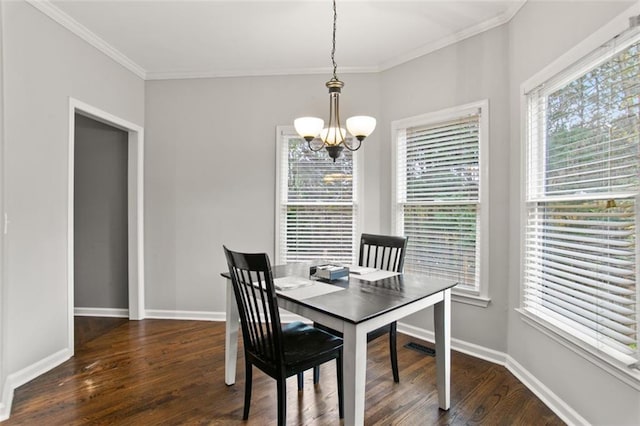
x: 283, y: 133
x: 630, y: 374
x: 481, y: 296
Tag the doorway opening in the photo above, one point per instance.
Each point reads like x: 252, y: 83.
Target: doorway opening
x: 100, y: 228
x: 133, y: 238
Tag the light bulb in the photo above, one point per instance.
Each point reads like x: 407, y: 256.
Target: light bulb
x: 361, y: 126
x: 331, y: 136
x: 308, y: 127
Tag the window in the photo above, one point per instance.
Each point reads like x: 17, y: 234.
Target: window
x: 582, y: 183
x: 440, y: 196
x: 316, y: 208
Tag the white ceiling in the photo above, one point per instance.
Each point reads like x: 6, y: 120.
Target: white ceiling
x: 211, y: 38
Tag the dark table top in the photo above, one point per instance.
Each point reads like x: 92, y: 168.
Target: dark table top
x: 362, y: 300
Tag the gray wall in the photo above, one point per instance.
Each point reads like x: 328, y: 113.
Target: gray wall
x: 540, y: 33
x: 492, y: 65
x: 210, y: 174
x: 44, y: 65
x: 469, y: 71
x: 100, y: 216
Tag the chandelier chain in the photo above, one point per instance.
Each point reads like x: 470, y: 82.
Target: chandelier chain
x: 333, y: 49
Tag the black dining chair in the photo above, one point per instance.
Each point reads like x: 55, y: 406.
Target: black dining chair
x: 278, y: 351
x: 381, y: 252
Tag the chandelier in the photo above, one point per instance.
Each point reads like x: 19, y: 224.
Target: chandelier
x: 333, y: 137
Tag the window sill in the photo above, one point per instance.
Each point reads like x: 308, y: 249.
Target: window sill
x: 469, y: 298
x: 623, y: 372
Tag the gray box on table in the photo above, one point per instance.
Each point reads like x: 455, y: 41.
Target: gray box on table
x: 329, y: 272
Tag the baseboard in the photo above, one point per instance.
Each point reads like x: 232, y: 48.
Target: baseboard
x: 27, y: 374
x: 184, y: 315
x: 5, y: 401
x: 557, y: 405
x: 101, y: 312
x: 456, y: 344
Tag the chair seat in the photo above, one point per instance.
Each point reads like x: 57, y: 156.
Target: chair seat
x: 304, y: 345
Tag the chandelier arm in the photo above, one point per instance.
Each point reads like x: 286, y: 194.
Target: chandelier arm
x: 341, y: 137
x: 316, y: 150
x: 330, y: 124
x: 331, y: 135
x: 353, y: 149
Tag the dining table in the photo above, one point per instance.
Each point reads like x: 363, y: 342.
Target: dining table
x: 355, y: 305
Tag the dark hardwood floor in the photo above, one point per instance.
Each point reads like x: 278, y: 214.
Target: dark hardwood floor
x: 167, y: 372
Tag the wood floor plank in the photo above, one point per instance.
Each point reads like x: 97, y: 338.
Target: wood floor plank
x: 164, y: 372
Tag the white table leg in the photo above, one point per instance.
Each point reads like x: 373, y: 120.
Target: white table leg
x: 442, y: 322
x: 231, y: 336
x: 355, y: 374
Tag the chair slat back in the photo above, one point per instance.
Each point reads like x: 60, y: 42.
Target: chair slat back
x: 257, y: 305
x: 382, y: 252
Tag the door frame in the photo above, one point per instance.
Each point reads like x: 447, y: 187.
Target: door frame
x: 135, y: 219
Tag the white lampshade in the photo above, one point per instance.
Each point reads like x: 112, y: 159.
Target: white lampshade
x: 361, y: 125
x: 308, y: 127
x: 330, y: 135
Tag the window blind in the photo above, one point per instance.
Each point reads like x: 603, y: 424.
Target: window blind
x: 317, y: 209
x: 438, y: 181
x: 583, y: 186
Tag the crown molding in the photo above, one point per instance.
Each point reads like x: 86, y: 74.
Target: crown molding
x: 53, y: 12
x: 179, y: 75
x: 455, y: 38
